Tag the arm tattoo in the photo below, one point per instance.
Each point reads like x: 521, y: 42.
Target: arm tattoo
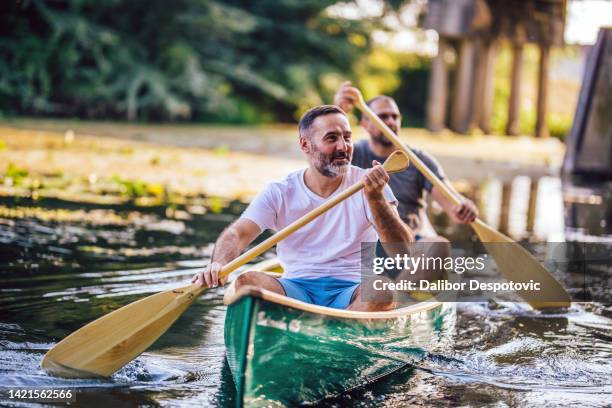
x: 388, y: 224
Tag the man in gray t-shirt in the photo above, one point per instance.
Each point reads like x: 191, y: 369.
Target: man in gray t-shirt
x: 410, y: 186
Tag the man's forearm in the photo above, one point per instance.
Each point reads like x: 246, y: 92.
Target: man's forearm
x: 388, y: 224
x: 228, y: 246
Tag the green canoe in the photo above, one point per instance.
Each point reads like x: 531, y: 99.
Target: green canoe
x: 283, y: 352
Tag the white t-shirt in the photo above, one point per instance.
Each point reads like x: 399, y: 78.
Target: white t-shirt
x: 329, y: 246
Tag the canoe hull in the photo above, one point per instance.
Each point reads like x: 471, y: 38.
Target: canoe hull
x: 284, y: 355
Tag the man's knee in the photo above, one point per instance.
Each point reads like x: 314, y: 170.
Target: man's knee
x: 385, y: 298
x: 247, y: 278
x: 373, y: 297
x: 384, y: 301
x: 260, y: 280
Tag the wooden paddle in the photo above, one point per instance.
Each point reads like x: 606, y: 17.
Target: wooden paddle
x: 105, y: 345
x: 515, y: 262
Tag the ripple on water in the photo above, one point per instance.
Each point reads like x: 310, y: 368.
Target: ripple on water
x: 61, y: 275
x: 536, y: 364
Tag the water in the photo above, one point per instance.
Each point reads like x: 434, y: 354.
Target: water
x: 64, y: 264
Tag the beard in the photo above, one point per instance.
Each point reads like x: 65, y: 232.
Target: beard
x: 381, y: 140
x: 324, y: 163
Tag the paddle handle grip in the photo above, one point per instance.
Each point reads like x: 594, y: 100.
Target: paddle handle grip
x: 414, y: 159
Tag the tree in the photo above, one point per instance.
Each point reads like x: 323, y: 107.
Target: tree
x: 150, y: 60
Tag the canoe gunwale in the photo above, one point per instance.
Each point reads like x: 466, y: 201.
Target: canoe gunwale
x: 271, y: 266
x: 233, y: 296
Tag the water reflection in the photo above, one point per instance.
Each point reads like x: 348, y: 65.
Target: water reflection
x: 58, y: 274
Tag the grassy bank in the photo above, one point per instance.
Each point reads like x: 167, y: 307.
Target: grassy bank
x: 153, y: 164
x: 77, y: 167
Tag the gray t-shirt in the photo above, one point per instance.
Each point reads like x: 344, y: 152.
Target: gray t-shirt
x: 409, y: 186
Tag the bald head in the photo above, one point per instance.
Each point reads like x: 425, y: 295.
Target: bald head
x: 387, y: 110
x: 381, y: 98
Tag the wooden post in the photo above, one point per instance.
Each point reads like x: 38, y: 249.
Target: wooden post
x: 504, y: 214
x: 438, y: 83
x: 531, y: 209
x: 541, y: 127
x: 514, y: 104
x: 484, y: 121
x: 460, y: 118
x: 478, y: 83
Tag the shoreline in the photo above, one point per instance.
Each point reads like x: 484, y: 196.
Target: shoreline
x: 103, y: 161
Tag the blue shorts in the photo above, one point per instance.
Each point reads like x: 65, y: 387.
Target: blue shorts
x: 330, y: 292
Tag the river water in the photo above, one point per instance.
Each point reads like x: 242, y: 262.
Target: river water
x: 64, y: 264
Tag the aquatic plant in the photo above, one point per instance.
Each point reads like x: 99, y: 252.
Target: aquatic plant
x: 15, y: 175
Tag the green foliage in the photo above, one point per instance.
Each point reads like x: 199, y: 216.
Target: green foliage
x: 15, y: 175
x: 559, y: 125
x: 413, y: 90
x: 224, y: 61
x: 403, y: 76
x: 216, y: 205
x: 131, y: 188
x: 16, y: 172
x: 560, y: 112
x: 221, y: 151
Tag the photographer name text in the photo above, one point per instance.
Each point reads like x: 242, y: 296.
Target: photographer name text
x: 445, y: 285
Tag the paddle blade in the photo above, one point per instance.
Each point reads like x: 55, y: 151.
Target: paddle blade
x: 105, y: 345
x: 397, y: 161
x: 518, y: 265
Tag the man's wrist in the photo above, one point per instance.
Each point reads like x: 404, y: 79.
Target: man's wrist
x: 377, y: 200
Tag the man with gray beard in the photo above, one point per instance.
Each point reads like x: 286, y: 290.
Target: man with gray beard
x: 322, y: 260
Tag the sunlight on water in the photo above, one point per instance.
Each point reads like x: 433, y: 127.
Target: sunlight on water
x: 53, y: 282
